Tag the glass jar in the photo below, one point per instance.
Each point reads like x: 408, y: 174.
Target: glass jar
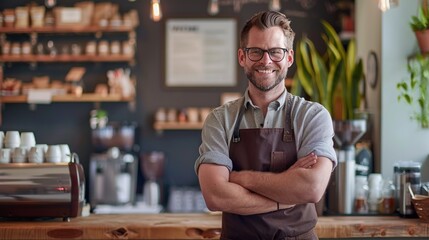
x: 361, y: 195
x: 16, y: 48
x: 103, y: 47
x: 388, y: 192
x: 52, y: 50
x: 91, y: 48
x: 6, y: 48
x: 26, y: 48
x: 115, y: 48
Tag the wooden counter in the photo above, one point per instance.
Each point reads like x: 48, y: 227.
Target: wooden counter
x: 195, y: 226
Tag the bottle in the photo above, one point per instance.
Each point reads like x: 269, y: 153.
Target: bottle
x: 361, y: 195
x: 388, y: 193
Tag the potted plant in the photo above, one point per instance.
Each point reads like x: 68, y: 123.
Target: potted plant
x: 420, y: 25
x: 415, y: 89
x: 332, y: 79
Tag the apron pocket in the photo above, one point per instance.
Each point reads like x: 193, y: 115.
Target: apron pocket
x: 278, y: 162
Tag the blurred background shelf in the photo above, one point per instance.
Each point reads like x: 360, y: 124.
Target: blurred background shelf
x: 66, y: 29
x: 66, y: 58
x: 86, y: 97
x: 159, y: 126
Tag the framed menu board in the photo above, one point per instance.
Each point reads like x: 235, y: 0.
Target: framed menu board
x: 201, y: 53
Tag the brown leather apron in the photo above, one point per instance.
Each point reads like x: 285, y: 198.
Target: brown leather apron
x: 267, y: 150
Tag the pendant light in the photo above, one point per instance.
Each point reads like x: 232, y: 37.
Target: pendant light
x: 213, y: 8
x: 156, y: 13
x: 385, y: 5
x: 50, y: 3
x: 274, y: 5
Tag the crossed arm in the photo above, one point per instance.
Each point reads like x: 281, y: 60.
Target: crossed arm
x: 251, y: 192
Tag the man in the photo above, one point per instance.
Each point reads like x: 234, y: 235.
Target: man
x: 266, y: 158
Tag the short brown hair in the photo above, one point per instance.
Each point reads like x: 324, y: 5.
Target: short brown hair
x: 265, y: 20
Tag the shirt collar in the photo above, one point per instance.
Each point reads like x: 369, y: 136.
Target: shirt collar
x: 276, y: 104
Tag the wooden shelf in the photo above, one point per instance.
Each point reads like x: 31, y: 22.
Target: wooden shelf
x: 66, y: 58
x: 66, y: 29
x: 160, y: 126
x: 86, y: 97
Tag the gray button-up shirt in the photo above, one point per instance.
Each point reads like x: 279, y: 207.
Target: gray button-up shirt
x: 311, y: 123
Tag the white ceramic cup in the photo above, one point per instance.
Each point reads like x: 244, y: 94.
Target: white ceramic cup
x: 12, y: 139
x: 193, y: 115
x: 28, y: 140
x: 5, y: 154
x: 53, y: 155
x: 44, y: 147
x: 65, y: 153
x: 36, y: 155
x: 19, y: 155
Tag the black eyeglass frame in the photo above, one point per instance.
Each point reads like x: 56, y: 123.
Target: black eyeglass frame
x: 246, y: 50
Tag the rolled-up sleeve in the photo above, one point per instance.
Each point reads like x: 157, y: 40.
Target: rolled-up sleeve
x: 214, y: 148
x: 316, y: 132
x: 213, y: 158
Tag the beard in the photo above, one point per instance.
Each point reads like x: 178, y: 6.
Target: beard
x: 259, y: 84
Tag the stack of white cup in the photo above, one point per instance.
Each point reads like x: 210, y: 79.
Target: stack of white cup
x: 12, y: 143
x: 22, y: 148
x: 20, y: 154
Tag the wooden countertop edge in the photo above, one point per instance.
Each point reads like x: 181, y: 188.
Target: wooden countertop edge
x: 370, y: 226
x: 173, y: 226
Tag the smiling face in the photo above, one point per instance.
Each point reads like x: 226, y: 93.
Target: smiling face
x: 265, y: 74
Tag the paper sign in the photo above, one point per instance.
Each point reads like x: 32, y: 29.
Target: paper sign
x: 39, y: 96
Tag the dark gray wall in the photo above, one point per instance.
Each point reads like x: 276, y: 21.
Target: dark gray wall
x: 69, y: 122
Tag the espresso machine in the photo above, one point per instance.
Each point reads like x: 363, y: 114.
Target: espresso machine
x: 341, y: 190
x: 113, y: 164
x: 40, y: 190
x: 113, y: 178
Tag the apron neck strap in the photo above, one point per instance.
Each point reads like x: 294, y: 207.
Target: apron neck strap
x: 288, y: 134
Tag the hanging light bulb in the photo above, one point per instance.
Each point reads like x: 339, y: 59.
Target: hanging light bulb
x: 156, y: 13
x: 213, y: 8
x: 50, y: 3
x: 384, y: 5
x: 274, y: 5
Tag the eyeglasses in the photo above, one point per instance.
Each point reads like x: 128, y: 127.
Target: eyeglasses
x: 256, y: 54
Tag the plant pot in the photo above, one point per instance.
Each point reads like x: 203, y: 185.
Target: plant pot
x: 423, y: 40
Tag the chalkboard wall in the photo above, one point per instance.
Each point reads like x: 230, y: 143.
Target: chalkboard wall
x: 69, y: 122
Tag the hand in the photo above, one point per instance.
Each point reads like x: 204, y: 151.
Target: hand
x: 305, y: 162
x: 236, y: 177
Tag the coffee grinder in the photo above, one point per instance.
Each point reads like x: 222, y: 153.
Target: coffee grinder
x: 341, y: 190
x: 152, y: 167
